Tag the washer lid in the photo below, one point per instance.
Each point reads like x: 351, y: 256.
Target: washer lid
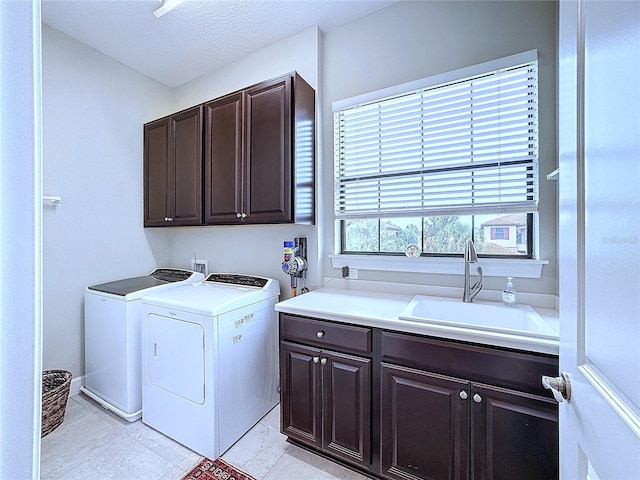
x: 160, y: 276
x: 128, y: 285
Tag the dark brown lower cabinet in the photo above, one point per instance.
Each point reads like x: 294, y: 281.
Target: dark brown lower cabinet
x: 425, y: 425
x: 326, y: 401
x: 301, y: 394
x: 438, y: 427
x: 401, y: 406
x: 514, y: 435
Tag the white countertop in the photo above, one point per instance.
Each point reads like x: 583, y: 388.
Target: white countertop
x: 382, y: 310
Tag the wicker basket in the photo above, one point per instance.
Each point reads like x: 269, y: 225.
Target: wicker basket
x: 55, y: 392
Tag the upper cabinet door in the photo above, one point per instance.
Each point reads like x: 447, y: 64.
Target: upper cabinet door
x: 223, y: 160
x: 187, y: 167
x: 173, y: 170
x: 268, y: 179
x: 157, y: 189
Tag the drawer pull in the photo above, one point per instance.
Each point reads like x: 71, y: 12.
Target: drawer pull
x: 463, y: 395
x: 477, y: 398
x: 320, y: 334
x: 316, y: 359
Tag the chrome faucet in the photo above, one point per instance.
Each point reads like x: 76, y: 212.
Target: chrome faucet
x: 470, y: 256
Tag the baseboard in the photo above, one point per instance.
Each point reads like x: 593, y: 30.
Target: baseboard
x: 76, y: 383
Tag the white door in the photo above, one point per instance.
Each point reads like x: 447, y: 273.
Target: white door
x: 599, y: 145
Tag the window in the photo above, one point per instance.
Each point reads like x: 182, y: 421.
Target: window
x: 444, y: 161
x: 499, y: 233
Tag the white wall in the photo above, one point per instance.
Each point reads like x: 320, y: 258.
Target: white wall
x: 412, y: 40
x: 93, y: 111
x: 249, y: 249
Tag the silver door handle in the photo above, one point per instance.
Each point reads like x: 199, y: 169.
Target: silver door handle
x: 559, y: 386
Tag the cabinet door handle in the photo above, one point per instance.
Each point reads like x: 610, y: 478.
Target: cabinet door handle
x: 244, y: 215
x: 316, y: 359
x: 320, y: 334
x: 463, y: 395
x: 323, y: 361
x: 168, y: 219
x: 477, y: 398
x: 239, y: 215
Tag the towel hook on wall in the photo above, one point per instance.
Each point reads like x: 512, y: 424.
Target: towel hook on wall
x: 52, y: 200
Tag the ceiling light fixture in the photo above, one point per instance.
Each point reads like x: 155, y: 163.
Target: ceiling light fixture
x: 166, y: 6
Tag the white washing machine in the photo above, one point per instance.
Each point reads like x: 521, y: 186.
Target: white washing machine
x: 210, y: 360
x: 113, y: 338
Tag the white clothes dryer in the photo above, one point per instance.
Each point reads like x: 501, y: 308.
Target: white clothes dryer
x: 210, y: 360
x: 113, y: 338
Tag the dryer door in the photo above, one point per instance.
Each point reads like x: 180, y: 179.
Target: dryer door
x: 174, y: 357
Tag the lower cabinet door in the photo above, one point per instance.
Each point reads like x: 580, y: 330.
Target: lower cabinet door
x: 346, y: 381
x: 300, y: 395
x: 424, y: 425
x: 515, y: 435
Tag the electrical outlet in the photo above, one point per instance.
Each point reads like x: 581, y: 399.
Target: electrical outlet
x: 348, y: 272
x: 201, y: 266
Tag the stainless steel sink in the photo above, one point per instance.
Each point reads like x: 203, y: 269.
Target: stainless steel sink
x: 495, y: 317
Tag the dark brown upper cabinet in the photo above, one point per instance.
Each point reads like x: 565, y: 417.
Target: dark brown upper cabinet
x: 259, y: 158
x: 173, y: 169
x: 223, y: 168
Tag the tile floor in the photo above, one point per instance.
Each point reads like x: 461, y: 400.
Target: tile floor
x: 95, y: 443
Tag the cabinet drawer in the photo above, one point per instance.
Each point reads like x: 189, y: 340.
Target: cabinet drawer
x: 506, y: 368
x: 324, y: 333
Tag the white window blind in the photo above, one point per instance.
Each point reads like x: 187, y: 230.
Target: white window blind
x: 463, y: 147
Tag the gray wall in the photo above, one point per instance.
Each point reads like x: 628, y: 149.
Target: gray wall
x: 93, y: 109
x: 412, y: 40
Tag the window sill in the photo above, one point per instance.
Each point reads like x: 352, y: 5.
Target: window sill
x: 491, y: 267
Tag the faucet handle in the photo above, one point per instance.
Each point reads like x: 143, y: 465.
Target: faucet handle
x: 475, y: 290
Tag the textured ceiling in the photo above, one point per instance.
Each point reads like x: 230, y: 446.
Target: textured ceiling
x: 197, y: 36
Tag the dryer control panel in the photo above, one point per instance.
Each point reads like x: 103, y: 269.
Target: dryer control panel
x: 235, y: 279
